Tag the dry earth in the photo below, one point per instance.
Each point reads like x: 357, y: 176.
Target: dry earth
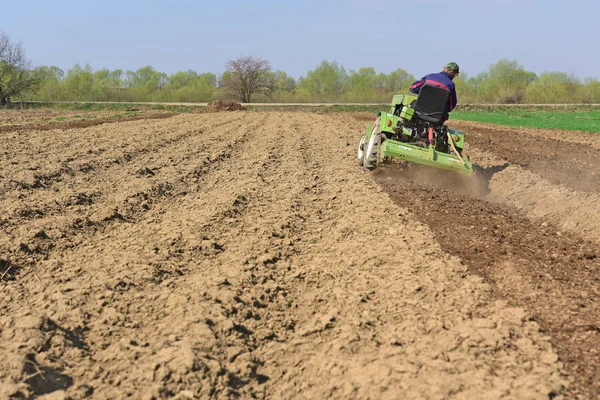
x: 244, y: 254
x: 45, y: 119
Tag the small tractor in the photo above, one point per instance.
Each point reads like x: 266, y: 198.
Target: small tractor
x: 414, y: 131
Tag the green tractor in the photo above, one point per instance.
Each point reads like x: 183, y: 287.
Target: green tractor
x: 414, y: 131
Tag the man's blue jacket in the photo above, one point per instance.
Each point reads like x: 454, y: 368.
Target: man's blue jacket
x: 440, y: 79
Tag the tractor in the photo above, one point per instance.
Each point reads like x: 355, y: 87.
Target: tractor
x: 414, y: 131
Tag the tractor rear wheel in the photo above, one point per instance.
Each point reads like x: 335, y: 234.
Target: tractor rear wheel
x: 372, y: 156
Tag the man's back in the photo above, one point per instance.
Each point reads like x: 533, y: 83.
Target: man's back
x: 441, y: 79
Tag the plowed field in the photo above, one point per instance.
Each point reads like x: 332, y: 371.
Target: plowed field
x: 244, y: 254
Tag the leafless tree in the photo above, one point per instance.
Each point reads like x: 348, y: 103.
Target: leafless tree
x: 246, y: 77
x: 16, y: 75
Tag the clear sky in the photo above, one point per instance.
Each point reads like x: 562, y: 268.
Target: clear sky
x: 419, y: 36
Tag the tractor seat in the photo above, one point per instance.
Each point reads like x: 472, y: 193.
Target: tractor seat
x: 431, y: 103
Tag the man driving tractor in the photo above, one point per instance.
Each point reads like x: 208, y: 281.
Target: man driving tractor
x: 414, y: 129
x: 441, y: 79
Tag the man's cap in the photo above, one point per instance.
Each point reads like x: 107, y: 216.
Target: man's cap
x: 452, y: 66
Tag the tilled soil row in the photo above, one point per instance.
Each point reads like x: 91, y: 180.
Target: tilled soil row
x: 561, y: 159
x: 567, y: 209
x: 46, y: 115
x: 37, y: 219
x: 95, y: 148
x: 553, y: 274
x: 273, y: 269
x: 78, y: 123
x: 224, y: 144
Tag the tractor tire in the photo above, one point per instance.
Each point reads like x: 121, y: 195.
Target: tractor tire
x: 360, y: 153
x: 371, y: 154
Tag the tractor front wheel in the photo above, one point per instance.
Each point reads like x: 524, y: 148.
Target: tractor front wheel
x: 372, y: 152
x: 360, y: 154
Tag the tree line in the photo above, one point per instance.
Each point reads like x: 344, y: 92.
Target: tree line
x: 251, y: 79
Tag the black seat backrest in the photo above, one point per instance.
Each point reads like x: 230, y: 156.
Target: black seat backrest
x: 431, y: 103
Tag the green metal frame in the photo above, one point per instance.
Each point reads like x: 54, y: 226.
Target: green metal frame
x: 427, y: 156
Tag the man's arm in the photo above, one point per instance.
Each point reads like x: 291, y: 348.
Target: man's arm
x: 415, y: 87
x: 453, y: 99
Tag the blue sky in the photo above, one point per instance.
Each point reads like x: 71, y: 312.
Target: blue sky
x: 419, y: 36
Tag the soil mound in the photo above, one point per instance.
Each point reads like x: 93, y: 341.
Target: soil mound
x: 219, y: 105
x: 568, y: 209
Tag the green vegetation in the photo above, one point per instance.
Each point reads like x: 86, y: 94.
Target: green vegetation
x: 505, y: 82
x: 328, y: 82
x: 587, y: 121
x: 247, y: 77
x: 16, y: 76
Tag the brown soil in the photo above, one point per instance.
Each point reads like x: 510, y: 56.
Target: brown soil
x: 246, y: 255
x: 14, y: 117
x: 560, y: 161
x: 220, y: 105
x: 36, y: 125
x: 554, y: 274
x: 530, y: 230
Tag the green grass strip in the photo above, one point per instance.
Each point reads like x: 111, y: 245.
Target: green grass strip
x: 588, y: 121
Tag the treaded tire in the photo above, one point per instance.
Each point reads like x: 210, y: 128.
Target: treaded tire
x: 360, y: 153
x: 371, y: 154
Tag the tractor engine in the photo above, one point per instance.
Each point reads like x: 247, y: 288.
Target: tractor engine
x: 423, y: 134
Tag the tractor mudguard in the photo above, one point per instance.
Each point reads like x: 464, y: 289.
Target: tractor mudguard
x: 368, y: 132
x: 388, y: 122
x: 401, y: 106
x: 459, y: 138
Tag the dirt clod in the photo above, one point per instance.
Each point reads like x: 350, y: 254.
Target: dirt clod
x: 220, y: 105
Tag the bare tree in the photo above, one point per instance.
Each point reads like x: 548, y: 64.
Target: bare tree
x: 246, y: 77
x: 16, y: 75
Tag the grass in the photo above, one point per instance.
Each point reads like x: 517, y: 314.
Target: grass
x: 587, y: 121
x: 579, y: 118
x: 125, y: 115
